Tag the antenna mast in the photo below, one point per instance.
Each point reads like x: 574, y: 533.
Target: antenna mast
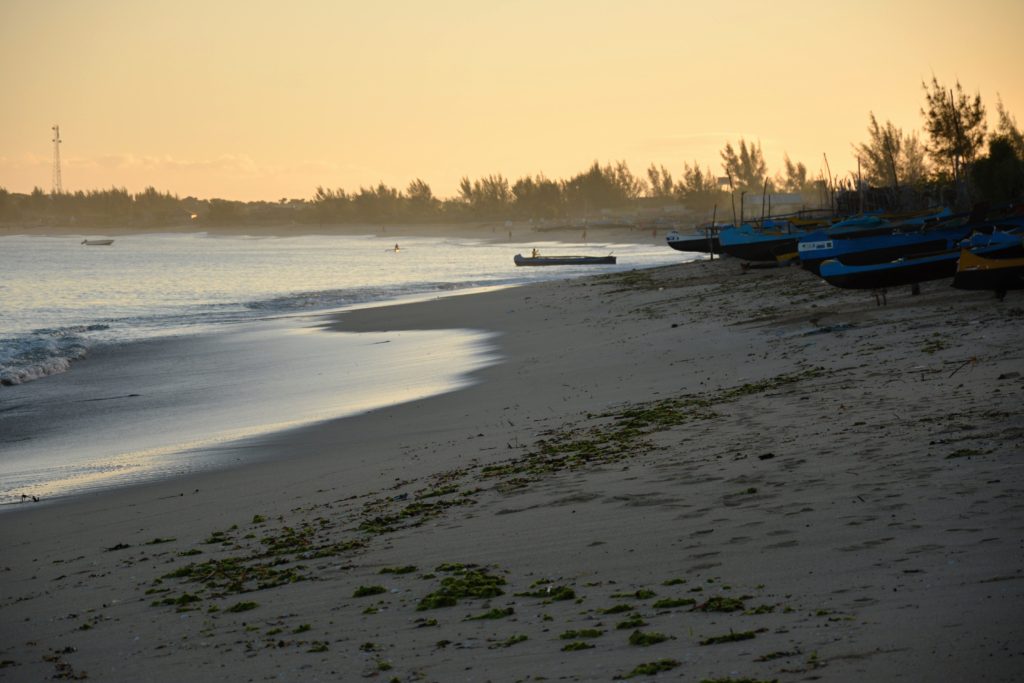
x: 57, y: 185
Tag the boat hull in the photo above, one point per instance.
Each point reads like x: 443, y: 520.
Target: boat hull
x: 992, y: 274
x: 521, y: 260
x: 756, y: 245
x: 892, y: 274
x: 863, y: 250
x: 695, y: 243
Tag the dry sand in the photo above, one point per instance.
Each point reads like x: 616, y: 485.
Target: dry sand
x: 724, y: 475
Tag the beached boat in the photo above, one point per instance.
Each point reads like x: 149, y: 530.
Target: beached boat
x: 873, y: 238
x: 538, y: 260
x: 762, y: 243
x: 994, y: 274
x: 904, y: 271
x: 695, y: 242
x: 921, y: 268
x: 97, y: 243
x: 858, y: 250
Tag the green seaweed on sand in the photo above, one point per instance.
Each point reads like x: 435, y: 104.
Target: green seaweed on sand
x: 720, y: 603
x: 180, y: 601
x: 509, y: 642
x: 634, y: 621
x: 780, y: 654
x: 617, y: 609
x: 730, y: 637
x: 669, y: 603
x: 964, y: 453
x: 760, y: 609
x: 242, y: 607
x: 466, y: 582
x: 441, y: 491
x: 158, y: 541
x: 550, y: 594
x: 582, y: 633
x: 237, y: 575
x: 496, y: 613
x: 643, y: 639
x: 217, y: 537
x: 651, y: 668
x: 412, y: 515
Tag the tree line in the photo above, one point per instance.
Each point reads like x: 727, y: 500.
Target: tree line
x: 958, y: 162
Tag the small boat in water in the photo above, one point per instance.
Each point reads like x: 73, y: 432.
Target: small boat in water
x: 537, y: 260
x: 97, y: 243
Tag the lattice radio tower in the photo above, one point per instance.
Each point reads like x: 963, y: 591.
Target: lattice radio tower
x: 58, y: 187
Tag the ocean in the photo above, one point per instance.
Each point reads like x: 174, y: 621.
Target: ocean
x: 125, y: 363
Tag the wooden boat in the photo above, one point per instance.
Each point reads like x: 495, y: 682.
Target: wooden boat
x: 904, y: 271
x: 764, y: 243
x: 97, y: 243
x: 878, y: 248
x: 538, y: 260
x: 873, y: 238
x: 920, y: 268
x: 695, y: 242
x: 995, y: 274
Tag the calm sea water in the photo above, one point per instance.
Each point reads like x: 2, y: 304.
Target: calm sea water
x: 59, y: 298
x: 193, y: 343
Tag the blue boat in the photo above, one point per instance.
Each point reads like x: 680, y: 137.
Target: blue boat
x: 767, y: 242
x: 864, y: 240
x: 921, y: 268
x: 860, y: 250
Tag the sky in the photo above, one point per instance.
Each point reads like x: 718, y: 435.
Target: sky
x: 268, y: 100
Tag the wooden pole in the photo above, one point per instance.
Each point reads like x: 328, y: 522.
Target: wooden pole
x: 831, y: 193
x: 764, y: 193
x: 710, y: 233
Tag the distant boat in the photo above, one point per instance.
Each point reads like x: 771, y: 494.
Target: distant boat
x: 538, y: 260
x: 97, y: 243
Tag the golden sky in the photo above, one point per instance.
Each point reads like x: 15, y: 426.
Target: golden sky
x: 255, y: 99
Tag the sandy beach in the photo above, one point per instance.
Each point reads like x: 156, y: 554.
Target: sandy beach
x: 686, y: 473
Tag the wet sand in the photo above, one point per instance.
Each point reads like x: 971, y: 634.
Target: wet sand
x: 687, y: 470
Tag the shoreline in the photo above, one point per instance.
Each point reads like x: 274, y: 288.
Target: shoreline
x: 760, y: 437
